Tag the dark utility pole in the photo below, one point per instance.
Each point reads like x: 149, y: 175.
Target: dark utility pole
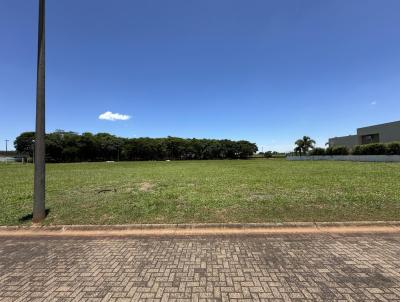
x: 39, y: 211
x: 6, y: 146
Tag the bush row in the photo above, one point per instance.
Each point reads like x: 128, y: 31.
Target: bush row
x: 369, y: 149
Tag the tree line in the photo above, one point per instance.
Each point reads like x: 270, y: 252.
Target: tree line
x: 63, y: 146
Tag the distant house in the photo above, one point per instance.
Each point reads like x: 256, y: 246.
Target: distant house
x: 382, y: 133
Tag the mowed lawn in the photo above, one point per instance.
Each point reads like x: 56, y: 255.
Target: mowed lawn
x: 204, y: 191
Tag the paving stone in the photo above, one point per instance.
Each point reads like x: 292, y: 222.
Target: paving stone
x: 313, y: 267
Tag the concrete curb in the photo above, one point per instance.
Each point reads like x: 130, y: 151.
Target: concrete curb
x: 202, y: 229
x: 183, y: 226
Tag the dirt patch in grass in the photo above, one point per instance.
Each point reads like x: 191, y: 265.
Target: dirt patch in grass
x: 146, y: 186
x: 260, y: 197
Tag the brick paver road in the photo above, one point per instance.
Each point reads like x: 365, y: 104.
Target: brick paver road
x: 297, y: 267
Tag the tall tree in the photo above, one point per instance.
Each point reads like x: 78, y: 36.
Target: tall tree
x: 39, y: 210
x: 24, y: 143
x: 304, y: 145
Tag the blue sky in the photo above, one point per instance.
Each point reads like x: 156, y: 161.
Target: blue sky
x: 266, y: 71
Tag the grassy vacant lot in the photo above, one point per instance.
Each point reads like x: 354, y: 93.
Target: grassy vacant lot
x: 205, y: 191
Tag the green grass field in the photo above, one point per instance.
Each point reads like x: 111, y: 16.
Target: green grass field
x: 205, y: 191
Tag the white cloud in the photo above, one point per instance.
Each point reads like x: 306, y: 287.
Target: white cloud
x: 373, y: 103
x: 109, y: 116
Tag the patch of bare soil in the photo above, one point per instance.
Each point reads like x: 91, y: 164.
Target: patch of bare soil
x: 146, y: 186
x: 260, y: 197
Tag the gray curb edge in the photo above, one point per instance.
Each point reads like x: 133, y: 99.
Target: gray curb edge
x: 228, y: 226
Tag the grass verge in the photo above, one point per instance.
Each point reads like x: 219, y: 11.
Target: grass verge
x: 241, y: 191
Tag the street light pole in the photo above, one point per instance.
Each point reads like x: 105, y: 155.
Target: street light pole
x: 6, y: 146
x: 39, y: 210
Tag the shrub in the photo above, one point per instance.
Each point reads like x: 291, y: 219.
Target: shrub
x: 357, y: 150
x: 393, y: 148
x: 370, y: 149
x: 337, y: 150
x: 318, y: 151
x: 328, y: 151
x: 268, y: 154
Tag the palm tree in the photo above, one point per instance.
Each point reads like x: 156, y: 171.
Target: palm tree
x: 298, y: 148
x: 39, y: 210
x: 304, y: 145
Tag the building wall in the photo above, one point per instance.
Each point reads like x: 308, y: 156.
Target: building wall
x: 388, y: 132
x: 347, y: 141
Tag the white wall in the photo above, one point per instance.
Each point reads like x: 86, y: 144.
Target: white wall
x: 7, y: 159
x: 366, y: 158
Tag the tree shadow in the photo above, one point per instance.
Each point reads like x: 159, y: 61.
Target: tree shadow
x: 29, y: 217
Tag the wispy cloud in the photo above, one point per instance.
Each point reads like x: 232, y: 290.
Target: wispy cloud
x: 373, y: 103
x: 109, y: 116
